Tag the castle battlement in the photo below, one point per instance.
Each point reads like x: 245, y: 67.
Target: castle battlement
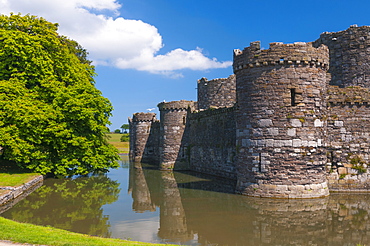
x: 177, y: 105
x: 299, y: 53
x: 293, y: 121
x: 144, y: 117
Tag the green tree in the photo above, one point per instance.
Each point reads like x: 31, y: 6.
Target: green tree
x: 52, y: 118
x: 125, y: 127
x: 125, y: 137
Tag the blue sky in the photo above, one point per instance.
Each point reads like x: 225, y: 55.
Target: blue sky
x: 147, y: 51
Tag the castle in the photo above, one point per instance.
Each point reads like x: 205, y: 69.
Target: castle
x: 292, y: 122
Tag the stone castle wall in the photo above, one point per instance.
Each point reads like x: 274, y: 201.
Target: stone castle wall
x: 173, y: 137
x: 144, y: 137
x: 212, y: 147
x: 281, y: 121
x: 348, y: 142
x: 349, y: 56
x: 293, y: 122
x: 216, y: 93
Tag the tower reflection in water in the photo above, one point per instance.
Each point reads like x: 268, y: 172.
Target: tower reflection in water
x: 203, y: 210
x: 166, y: 195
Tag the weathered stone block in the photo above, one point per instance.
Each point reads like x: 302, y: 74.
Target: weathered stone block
x: 264, y: 122
x: 297, y: 143
x: 318, y: 123
x: 338, y: 123
x: 291, y: 132
x: 296, y: 123
x: 342, y: 170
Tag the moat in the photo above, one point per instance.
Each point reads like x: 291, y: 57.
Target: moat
x: 144, y: 204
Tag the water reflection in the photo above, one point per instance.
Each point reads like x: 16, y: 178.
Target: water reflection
x: 70, y: 204
x: 193, y: 209
x: 173, y: 225
x: 140, y: 192
x: 198, y: 209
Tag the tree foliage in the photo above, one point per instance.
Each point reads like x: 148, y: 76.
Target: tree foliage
x: 52, y: 118
x: 125, y: 127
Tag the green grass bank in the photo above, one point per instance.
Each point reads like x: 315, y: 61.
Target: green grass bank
x: 32, y: 234
x: 10, y: 175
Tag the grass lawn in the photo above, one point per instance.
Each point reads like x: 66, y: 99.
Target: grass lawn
x: 10, y: 175
x: 28, y: 233
x: 18, y: 179
x: 115, y: 140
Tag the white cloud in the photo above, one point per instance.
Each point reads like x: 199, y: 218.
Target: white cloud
x: 112, y: 40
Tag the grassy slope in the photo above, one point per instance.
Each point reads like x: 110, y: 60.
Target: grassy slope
x: 27, y: 233
x: 114, y: 139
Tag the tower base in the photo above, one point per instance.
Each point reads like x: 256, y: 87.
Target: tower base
x: 283, y: 191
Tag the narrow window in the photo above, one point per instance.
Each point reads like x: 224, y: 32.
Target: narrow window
x: 184, y: 120
x: 333, y: 163
x: 292, y: 97
x: 260, y: 163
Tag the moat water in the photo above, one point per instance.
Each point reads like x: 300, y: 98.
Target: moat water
x: 144, y: 204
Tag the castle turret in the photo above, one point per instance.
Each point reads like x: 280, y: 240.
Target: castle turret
x: 173, y: 140
x: 281, y: 123
x: 216, y: 93
x: 349, y: 56
x: 144, y: 135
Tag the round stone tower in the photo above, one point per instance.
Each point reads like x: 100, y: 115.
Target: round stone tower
x: 216, y: 92
x: 349, y: 56
x: 143, y: 135
x: 281, y: 120
x: 173, y: 137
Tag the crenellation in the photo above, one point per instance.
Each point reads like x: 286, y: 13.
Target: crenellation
x: 292, y: 122
x: 299, y: 54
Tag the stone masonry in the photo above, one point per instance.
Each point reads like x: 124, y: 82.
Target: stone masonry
x: 216, y: 93
x: 280, y: 134
x: 293, y: 121
x: 173, y: 138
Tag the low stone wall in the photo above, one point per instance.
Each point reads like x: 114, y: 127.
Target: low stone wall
x: 15, y: 192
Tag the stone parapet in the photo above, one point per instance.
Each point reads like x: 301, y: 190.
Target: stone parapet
x: 143, y: 117
x: 299, y: 54
x: 177, y: 105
